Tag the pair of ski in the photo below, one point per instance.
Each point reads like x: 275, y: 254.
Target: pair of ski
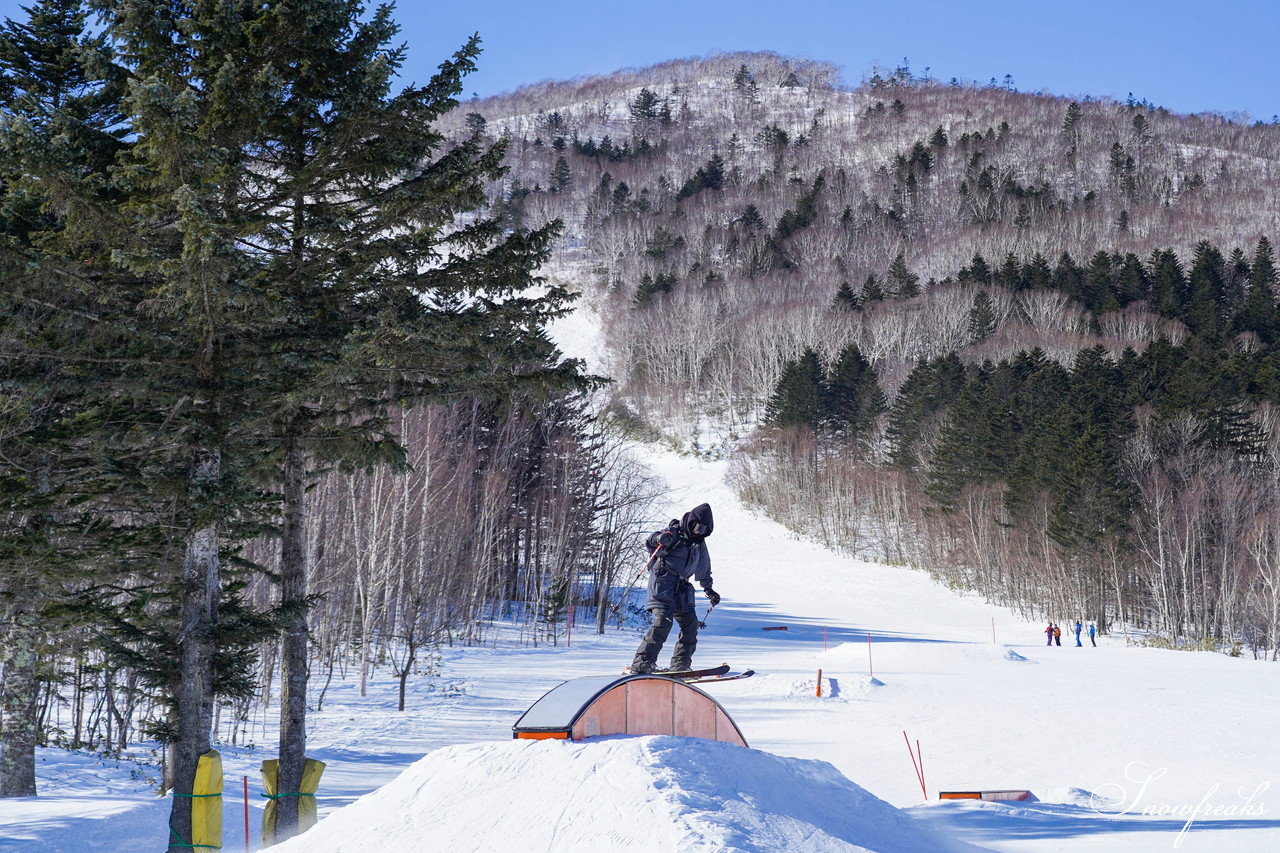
x: 704, y: 676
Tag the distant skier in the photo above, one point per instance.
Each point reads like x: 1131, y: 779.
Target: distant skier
x: 683, y: 556
x: 1048, y: 634
x: 1092, y: 641
x: 1078, y: 629
x: 1057, y: 635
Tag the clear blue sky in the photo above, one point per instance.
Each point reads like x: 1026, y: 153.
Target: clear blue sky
x: 1186, y: 55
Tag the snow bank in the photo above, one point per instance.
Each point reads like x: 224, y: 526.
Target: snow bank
x: 623, y: 793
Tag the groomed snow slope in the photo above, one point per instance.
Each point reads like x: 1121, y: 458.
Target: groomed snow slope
x: 619, y: 793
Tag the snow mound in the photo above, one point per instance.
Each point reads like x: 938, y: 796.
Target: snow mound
x: 1071, y: 796
x: 1010, y: 654
x: 622, y: 793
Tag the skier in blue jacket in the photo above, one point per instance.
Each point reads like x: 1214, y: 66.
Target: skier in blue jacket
x: 681, y: 556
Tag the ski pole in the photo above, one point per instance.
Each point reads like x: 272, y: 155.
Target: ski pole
x: 702, y: 623
x: 613, y: 608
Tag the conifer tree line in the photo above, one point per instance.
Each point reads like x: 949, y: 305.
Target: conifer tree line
x: 1137, y: 489
x: 270, y: 371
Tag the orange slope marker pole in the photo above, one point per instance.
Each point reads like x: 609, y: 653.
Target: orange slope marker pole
x: 818, y: 692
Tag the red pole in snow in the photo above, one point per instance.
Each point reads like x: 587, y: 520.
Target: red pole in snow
x: 920, y: 755
x: 824, y: 638
x: 246, y: 814
x: 919, y: 767
x: 993, y: 629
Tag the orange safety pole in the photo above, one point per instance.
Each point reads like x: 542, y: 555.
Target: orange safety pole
x: 819, y: 691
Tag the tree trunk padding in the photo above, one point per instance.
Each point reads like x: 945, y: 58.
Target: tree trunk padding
x: 306, y: 795
x: 206, y: 805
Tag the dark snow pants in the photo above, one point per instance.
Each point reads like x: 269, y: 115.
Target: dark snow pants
x: 651, y: 645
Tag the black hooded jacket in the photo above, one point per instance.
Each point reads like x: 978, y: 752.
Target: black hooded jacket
x: 684, y: 557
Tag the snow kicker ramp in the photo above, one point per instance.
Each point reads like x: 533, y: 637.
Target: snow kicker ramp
x: 623, y: 793
x: 597, y: 705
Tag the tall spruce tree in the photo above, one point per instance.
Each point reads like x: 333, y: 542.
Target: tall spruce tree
x: 1258, y: 313
x: 1206, y: 303
x: 904, y: 283
x: 387, y: 299
x: 52, y: 102
x: 286, y: 263
x: 798, y: 398
x: 982, y: 317
x: 853, y: 398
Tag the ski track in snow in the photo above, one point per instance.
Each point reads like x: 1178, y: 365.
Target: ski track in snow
x: 1118, y: 744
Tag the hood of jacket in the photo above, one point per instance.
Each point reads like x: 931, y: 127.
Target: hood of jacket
x: 700, y: 514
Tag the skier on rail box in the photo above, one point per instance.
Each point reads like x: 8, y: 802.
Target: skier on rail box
x: 682, y: 556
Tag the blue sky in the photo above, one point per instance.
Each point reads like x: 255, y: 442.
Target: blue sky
x: 1186, y: 55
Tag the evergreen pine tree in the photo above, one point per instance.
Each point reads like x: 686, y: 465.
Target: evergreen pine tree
x: 342, y: 309
x: 1168, y: 283
x: 1039, y: 275
x: 982, y: 318
x: 1091, y: 499
x: 1258, y: 313
x: 52, y: 104
x: 1010, y: 275
x: 978, y: 272
x: 845, y: 299
x: 1131, y: 281
x: 1099, y: 285
x: 871, y: 292
x: 853, y: 398
x: 1069, y: 278
x: 929, y: 389
x: 1207, y: 297
x: 960, y: 458
x: 904, y: 283
x: 798, y: 398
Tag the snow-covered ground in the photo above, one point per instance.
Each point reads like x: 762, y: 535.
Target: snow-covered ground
x: 1118, y: 744
x: 1123, y: 747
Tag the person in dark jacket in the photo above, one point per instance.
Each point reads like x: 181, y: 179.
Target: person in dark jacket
x: 678, y: 556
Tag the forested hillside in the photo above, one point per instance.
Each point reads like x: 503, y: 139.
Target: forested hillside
x: 1025, y: 341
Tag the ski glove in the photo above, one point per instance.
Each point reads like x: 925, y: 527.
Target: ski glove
x: 712, y: 596
x: 668, y: 537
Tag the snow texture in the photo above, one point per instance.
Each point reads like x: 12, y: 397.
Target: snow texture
x: 619, y: 793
